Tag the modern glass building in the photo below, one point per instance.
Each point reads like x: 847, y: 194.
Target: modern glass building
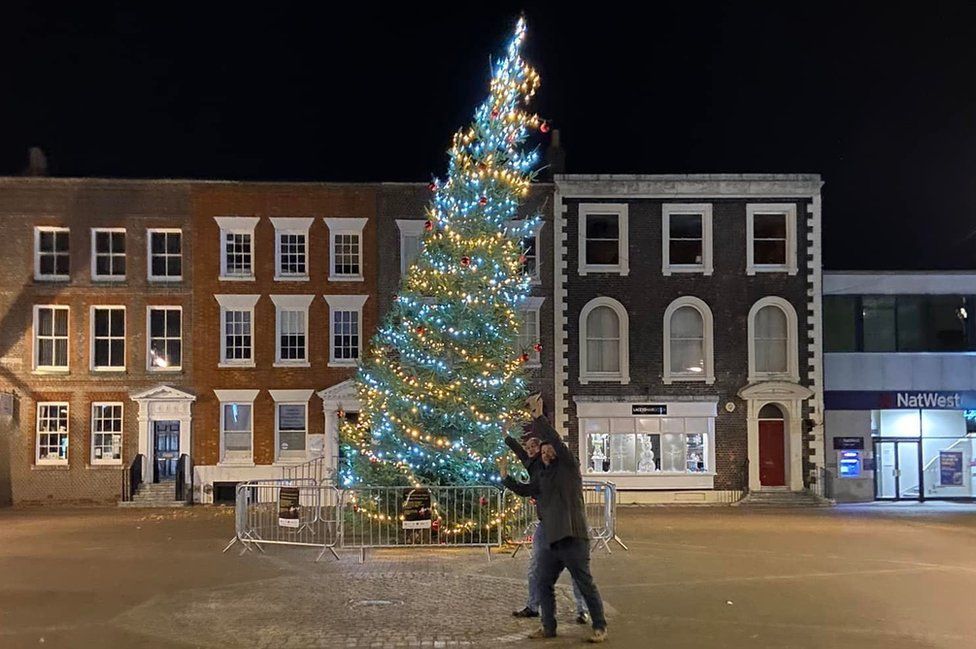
x: 900, y: 384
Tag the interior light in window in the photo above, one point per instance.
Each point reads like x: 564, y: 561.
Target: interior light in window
x: 694, y: 368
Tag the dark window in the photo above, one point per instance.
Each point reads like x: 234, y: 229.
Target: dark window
x: 53, y: 252
x: 685, y: 239
x: 878, y: 315
x: 602, y: 239
x: 932, y: 323
x: 840, y: 323
x: 109, y: 337
x: 166, y: 255
x: 769, y: 239
x: 109, y: 253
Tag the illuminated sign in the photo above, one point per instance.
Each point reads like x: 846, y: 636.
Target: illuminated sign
x: 648, y: 409
x: 849, y: 464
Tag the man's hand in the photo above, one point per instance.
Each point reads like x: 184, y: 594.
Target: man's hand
x: 503, y: 466
x: 534, y: 403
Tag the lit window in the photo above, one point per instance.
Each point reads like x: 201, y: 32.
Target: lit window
x: 646, y: 446
x: 236, y: 442
x: 51, y: 338
x: 106, y: 428
x: 51, y: 253
x: 291, y: 428
x: 688, y: 341
x: 108, y: 338
x: 108, y: 254
x: 346, y: 248
x: 165, y: 338
x: 165, y: 254
x: 291, y: 329
x: 604, y: 343
x: 52, y: 433
x: 772, y: 331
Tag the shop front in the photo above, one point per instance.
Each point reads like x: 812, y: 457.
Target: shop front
x: 908, y: 445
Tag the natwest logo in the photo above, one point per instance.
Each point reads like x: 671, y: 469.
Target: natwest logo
x: 928, y: 400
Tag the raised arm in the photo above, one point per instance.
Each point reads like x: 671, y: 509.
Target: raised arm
x: 525, y: 489
x: 520, y: 453
x: 548, y: 435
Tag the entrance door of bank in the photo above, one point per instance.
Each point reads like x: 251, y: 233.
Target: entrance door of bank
x: 898, y: 469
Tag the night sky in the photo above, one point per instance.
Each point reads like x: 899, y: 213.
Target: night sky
x: 878, y: 98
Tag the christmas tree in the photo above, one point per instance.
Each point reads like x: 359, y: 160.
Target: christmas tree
x: 443, y: 380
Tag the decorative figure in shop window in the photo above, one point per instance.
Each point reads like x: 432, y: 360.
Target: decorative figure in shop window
x: 647, y: 463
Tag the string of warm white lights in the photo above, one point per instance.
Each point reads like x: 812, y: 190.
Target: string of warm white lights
x: 444, y: 378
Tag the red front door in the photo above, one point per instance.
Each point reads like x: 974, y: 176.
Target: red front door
x: 772, y: 454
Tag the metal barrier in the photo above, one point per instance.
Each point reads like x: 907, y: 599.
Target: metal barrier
x: 315, y: 469
x: 394, y: 517
x: 307, y: 514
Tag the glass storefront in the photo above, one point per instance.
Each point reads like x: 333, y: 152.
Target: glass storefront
x: 924, y: 453
x: 646, y: 445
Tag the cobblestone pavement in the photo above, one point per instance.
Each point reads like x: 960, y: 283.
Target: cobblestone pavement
x: 872, y: 577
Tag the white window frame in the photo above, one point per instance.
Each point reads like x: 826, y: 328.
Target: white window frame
x: 150, y: 367
x: 237, y: 225
x: 94, y: 256
x: 37, y: 254
x: 290, y: 398
x: 294, y: 225
x: 792, y: 354
x: 236, y: 303
x: 37, y: 434
x: 345, y: 225
x: 244, y: 398
x: 537, y: 233
x: 345, y: 303
x: 708, y: 375
x: 408, y: 228
x: 91, y: 338
x: 149, y: 255
x: 531, y: 308
x: 291, y: 303
x: 37, y: 348
x: 101, y: 461
x: 788, y: 210
x: 622, y: 211
x: 623, y: 376
x: 705, y: 211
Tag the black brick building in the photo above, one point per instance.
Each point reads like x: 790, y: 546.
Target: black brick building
x: 688, y: 344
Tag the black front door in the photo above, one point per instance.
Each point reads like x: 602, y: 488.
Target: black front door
x: 166, y: 449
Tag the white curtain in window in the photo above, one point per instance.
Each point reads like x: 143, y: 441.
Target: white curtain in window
x: 602, y: 340
x: 770, y: 339
x: 687, y: 341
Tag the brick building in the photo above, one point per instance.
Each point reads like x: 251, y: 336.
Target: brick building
x: 688, y: 361
x: 285, y: 299
x: 94, y: 306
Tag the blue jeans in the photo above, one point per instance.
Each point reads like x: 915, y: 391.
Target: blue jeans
x: 535, y: 597
x: 574, y: 555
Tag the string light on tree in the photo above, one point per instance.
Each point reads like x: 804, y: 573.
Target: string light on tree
x: 443, y: 379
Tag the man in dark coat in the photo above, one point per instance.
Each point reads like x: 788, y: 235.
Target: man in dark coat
x: 559, y: 493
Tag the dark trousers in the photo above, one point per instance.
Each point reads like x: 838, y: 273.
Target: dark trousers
x: 574, y: 555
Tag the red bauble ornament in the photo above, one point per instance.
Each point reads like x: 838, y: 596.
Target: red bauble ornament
x: 421, y: 330
x: 483, y: 200
x: 523, y: 259
x: 544, y: 127
x: 355, y: 508
x: 465, y: 261
x: 435, y: 525
x: 428, y: 225
x: 483, y: 501
x: 432, y: 186
x: 340, y: 413
x: 537, y: 347
x: 525, y: 357
x: 494, y: 113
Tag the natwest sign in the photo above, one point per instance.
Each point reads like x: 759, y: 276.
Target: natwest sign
x: 938, y: 400
x: 903, y: 399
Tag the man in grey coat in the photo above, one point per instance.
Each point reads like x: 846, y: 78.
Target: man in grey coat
x: 559, y: 493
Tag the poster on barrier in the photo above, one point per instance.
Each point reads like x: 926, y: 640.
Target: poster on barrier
x: 288, y: 507
x: 416, y: 510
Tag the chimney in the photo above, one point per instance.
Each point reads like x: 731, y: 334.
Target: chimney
x: 555, y: 156
x: 36, y: 162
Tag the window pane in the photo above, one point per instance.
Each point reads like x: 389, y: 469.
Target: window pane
x: 648, y: 453
x: 602, y: 226
x: 686, y: 322
x: 598, y: 452
x: 695, y: 457
x: 602, y: 252
x: 174, y: 242
x: 685, y: 252
x: 769, y: 226
x: 173, y: 317
x: 622, y: 453
x: 45, y: 322
x: 237, y: 417
x: 672, y: 452
x: 603, y: 322
x: 101, y: 322
x: 769, y: 252
x: 932, y: 323
x: 878, y: 314
x: 687, y: 356
x: 840, y: 323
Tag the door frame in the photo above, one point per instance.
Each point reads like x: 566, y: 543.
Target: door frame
x: 162, y: 403
x: 179, y: 439
x: 917, y: 441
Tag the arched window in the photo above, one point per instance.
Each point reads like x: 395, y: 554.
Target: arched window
x: 688, y: 341
x: 604, y: 341
x: 772, y: 340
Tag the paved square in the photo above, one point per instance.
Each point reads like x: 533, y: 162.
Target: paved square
x: 868, y: 576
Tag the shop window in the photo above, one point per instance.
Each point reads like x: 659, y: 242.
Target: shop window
x: 642, y: 446
x: 840, y: 323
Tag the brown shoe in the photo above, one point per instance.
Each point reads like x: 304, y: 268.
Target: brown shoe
x: 541, y: 634
x: 599, y: 635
